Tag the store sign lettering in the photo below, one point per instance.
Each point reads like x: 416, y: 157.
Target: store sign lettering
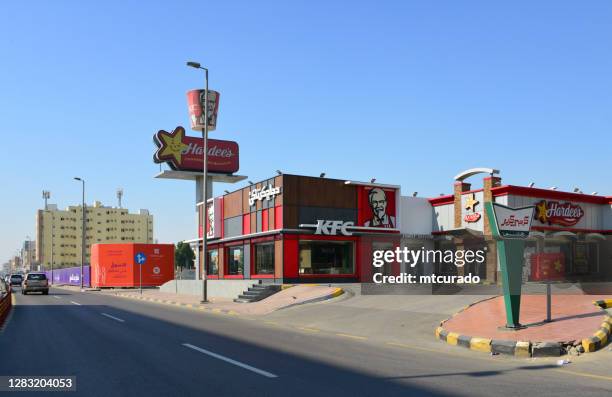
x: 472, y: 217
x: 553, y: 212
x: 267, y: 192
x: 513, y: 222
x: 330, y: 228
x: 186, y: 153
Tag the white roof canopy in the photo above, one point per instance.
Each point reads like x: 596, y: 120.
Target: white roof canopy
x: 473, y: 171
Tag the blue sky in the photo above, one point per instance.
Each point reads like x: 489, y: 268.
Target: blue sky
x: 409, y: 92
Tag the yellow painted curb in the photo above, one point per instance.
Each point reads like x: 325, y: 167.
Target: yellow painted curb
x: 588, y: 345
x: 522, y: 349
x: 337, y: 292
x: 603, y: 337
x: 481, y: 344
x: 607, y: 326
x: 438, y: 330
x: 451, y: 338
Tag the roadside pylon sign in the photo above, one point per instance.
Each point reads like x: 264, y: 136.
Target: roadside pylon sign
x: 510, y: 227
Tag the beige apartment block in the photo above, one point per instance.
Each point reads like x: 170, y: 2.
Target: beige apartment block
x: 59, y: 232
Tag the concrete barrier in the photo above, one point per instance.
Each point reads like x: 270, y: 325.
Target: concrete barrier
x: 216, y: 288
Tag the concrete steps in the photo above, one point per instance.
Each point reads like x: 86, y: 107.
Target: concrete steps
x: 257, y: 292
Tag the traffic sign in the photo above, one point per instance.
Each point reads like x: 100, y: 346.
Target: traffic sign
x: 141, y: 258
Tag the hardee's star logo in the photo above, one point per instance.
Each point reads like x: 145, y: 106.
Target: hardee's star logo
x: 170, y: 145
x: 557, y: 265
x: 542, y: 212
x: 471, y: 202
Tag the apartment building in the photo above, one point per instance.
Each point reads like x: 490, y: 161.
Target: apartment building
x: 28, y: 255
x: 59, y: 232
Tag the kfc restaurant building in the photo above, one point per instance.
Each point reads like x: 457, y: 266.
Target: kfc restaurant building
x: 570, y: 238
x: 292, y: 228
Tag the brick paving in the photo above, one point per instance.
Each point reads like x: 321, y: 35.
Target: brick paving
x: 574, y: 317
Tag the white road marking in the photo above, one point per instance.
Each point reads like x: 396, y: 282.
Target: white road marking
x: 229, y: 360
x: 56, y: 297
x: 113, y: 317
x: 75, y: 303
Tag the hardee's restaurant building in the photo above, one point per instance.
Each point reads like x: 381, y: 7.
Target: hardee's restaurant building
x: 292, y: 228
x: 570, y: 238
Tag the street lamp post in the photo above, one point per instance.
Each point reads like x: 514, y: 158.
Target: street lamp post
x: 52, y: 232
x: 83, y: 229
x: 203, y: 216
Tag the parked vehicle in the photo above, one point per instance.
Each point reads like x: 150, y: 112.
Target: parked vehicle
x: 35, y: 282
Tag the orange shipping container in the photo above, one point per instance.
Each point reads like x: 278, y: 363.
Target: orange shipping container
x: 114, y: 265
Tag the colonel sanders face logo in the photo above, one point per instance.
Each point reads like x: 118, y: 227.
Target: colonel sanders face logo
x: 378, y: 203
x: 211, y: 221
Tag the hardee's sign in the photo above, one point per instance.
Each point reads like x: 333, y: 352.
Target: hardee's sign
x: 553, y: 212
x: 185, y: 153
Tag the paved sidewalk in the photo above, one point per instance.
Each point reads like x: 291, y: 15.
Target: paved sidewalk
x: 292, y: 296
x: 575, y: 317
x: 401, y: 319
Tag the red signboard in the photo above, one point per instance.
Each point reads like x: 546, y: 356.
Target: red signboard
x: 547, y: 266
x: 113, y: 265
x: 377, y: 207
x: 554, y: 212
x: 214, y: 218
x: 185, y: 153
x: 474, y: 217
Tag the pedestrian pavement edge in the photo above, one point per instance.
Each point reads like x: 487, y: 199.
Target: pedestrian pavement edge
x: 335, y: 293
x: 526, y: 349
x: 602, y: 336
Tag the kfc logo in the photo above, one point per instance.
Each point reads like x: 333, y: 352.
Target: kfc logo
x: 377, y: 199
x: 330, y: 228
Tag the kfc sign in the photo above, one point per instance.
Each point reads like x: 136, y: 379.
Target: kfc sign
x: 331, y: 228
x: 377, y: 207
x: 195, y: 103
x: 214, y: 217
x: 185, y: 153
x: 266, y: 192
x: 553, y: 212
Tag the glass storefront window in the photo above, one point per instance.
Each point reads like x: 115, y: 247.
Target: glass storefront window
x: 387, y: 268
x: 326, y: 257
x: 235, y: 261
x: 212, y: 263
x: 264, y: 258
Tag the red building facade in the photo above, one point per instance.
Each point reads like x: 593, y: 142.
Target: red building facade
x: 292, y: 228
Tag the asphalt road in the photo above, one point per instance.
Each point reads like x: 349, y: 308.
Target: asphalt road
x: 116, y: 346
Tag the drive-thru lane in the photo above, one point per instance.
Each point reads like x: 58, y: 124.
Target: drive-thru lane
x: 116, y: 346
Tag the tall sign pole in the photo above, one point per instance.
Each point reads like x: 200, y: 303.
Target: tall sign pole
x: 200, y: 120
x: 510, y: 227
x: 204, y: 197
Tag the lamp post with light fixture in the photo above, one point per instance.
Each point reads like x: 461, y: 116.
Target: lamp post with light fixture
x: 204, y: 214
x: 83, y: 254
